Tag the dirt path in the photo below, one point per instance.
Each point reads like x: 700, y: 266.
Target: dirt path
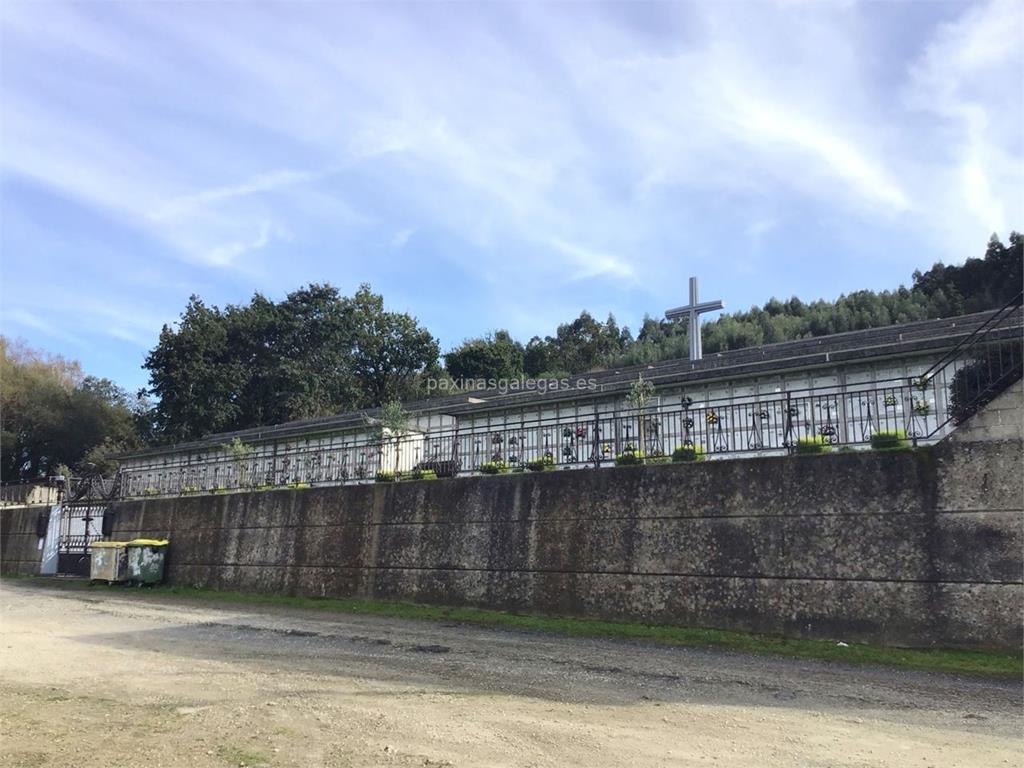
x: 104, y: 679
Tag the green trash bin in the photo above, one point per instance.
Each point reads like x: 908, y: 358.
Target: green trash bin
x: 108, y: 561
x: 146, y: 560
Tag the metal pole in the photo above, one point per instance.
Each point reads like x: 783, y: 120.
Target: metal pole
x: 696, y: 353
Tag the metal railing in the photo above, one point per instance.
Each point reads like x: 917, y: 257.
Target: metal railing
x: 28, y: 494
x: 922, y: 409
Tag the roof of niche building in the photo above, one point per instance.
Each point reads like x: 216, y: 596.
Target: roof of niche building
x: 876, y: 343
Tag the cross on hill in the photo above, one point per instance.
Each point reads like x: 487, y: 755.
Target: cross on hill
x: 694, y: 310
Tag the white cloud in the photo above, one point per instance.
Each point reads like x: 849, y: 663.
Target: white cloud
x: 968, y: 81
x: 270, y: 181
x: 540, y: 146
x: 32, y: 321
x: 590, y: 263
x: 401, y: 238
x: 226, y: 254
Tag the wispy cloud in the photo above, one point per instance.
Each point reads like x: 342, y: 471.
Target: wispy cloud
x: 586, y: 262
x: 401, y: 238
x: 14, y: 317
x: 271, y: 181
x: 521, y: 149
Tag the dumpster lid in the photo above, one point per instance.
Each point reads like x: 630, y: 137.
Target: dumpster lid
x: 108, y: 544
x: 148, y: 543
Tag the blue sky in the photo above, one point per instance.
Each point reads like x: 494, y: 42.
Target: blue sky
x: 490, y: 165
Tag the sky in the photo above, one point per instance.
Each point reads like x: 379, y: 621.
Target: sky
x: 491, y: 165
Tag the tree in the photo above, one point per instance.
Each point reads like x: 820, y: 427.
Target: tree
x: 389, y: 350
x: 51, y: 415
x: 313, y: 354
x: 495, y: 356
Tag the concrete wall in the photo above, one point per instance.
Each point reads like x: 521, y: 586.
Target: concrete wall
x: 918, y: 548
x: 1002, y: 419
x: 20, y: 554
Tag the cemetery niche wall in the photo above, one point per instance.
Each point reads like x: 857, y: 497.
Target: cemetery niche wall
x: 837, y: 390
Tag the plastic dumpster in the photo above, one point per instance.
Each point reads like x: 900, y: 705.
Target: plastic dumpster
x: 108, y: 561
x: 146, y: 560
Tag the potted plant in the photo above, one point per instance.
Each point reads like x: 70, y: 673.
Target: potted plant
x: 686, y: 453
x: 629, y: 458
x: 386, y: 476
x: 420, y: 474
x: 543, y: 464
x: 813, y: 444
x: 890, y: 440
x: 494, y: 468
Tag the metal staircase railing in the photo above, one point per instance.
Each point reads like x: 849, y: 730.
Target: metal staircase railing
x: 980, y: 367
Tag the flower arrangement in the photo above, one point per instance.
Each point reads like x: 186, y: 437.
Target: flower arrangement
x: 711, y: 417
x: 922, y: 407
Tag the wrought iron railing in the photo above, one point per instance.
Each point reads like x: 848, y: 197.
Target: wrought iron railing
x: 981, y: 366
x: 923, y: 409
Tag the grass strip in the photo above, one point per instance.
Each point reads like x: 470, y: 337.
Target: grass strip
x: 985, y: 663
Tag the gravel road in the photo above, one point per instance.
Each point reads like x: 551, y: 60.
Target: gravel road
x: 106, y: 677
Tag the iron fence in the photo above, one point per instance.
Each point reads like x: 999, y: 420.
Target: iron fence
x: 921, y: 409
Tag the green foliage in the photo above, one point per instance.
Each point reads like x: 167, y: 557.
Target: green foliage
x: 585, y: 344
x: 543, y: 464
x: 688, y: 453
x: 496, y: 355
x: 237, y: 450
x: 314, y: 353
x: 890, y: 440
x: 629, y: 458
x: 813, y: 444
x: 982, y: 380
x: 53, y: 417
x: 419, y: 474
x: 394, y: 419
x: 386, y: 476
x: 943, y: 291
x: 494, y: 468
x: 239, y: 454
x: 640, y: 393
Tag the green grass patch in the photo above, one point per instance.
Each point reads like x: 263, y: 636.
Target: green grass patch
x: 936, y: 659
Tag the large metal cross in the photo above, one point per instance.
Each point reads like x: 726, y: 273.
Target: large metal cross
x: 694, y: 310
